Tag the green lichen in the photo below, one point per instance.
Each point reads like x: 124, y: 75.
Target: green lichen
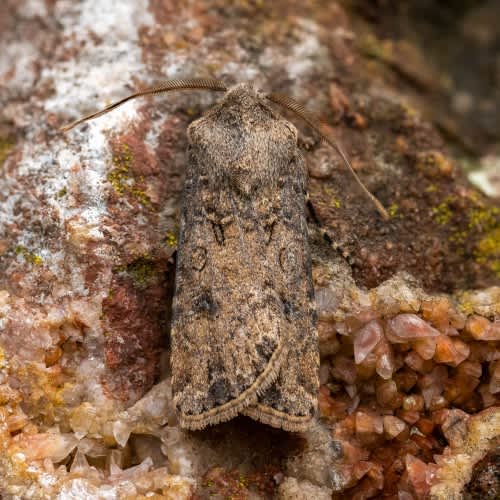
x: 121, y: 178
x: 30, y: 257
x: 62, y: 192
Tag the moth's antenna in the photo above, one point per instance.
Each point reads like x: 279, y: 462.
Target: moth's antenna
x: 193, y: 83
x: 316, y: 124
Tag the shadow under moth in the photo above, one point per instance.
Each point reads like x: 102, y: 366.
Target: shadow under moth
x: 243, y: 336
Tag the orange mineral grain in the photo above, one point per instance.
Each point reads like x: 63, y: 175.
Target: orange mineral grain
x: 480, y: 328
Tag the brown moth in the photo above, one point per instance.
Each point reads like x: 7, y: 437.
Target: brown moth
x: 243, y: 336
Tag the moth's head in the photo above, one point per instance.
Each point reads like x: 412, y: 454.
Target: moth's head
x: 245, y: 106
x: 243, y: 96
x: 243, y: 140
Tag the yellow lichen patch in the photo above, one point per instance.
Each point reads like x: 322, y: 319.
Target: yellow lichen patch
x: 410, y: 110
x: 393, y: 210
x: 486, y: 221
x: 242, y: 480
x: 140, y: 270
x: 121, y: 178
x: 3, y: 360
x: 5, y: 147
x: 333, y: 201
x: 443, y: 213
x: 487, y: 251
x: 373, y: 47
x: 171, y: 239
x: 483, y: 218
x: 30, y: 257
x: 458, y: 237
x: 61, y: 192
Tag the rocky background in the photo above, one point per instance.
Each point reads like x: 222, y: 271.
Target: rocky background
x: 409, y: 309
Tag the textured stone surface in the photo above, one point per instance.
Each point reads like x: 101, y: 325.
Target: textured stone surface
x: 88, y: 228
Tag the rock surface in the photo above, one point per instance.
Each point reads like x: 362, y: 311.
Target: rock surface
x: 409, y: 309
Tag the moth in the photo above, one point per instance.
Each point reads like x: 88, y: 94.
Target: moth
x: 243, y: 338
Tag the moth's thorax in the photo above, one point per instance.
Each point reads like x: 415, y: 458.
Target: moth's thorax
x: 242, y: 140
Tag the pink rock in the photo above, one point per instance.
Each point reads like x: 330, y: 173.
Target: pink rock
x: 352, y: 454
x: 393, y: 426
x: 409, y: 416
x: 407, y: 327
x: 487, y: 397
x: 326, y: 303
x: 413, y: 402
x: 450, y: 351
x: 420, y: 475
x: 368, y: 424
x: 327, y: 336
x: 470, y: 368
x: 343, y: 368
x: 386, y: 392
x: 415, y: 362
x: 438, y: 403
x: 450, y: 331
x: 366, y: 339
x: 55, y: 447
x: 480, y: 328
x: 495, y: 377
x: 462, y: 351
x: 324, y: 373
x: 425, y: 348
x: 385, y: 359
x: 432, y: 384
x: 454, y: 426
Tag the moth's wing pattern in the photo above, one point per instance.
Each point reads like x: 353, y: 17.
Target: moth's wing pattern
x: 243, y: 339
x: 227, y: 333
x: 291, y: 400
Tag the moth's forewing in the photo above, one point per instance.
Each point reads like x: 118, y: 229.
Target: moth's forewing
x: 243, y: 335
